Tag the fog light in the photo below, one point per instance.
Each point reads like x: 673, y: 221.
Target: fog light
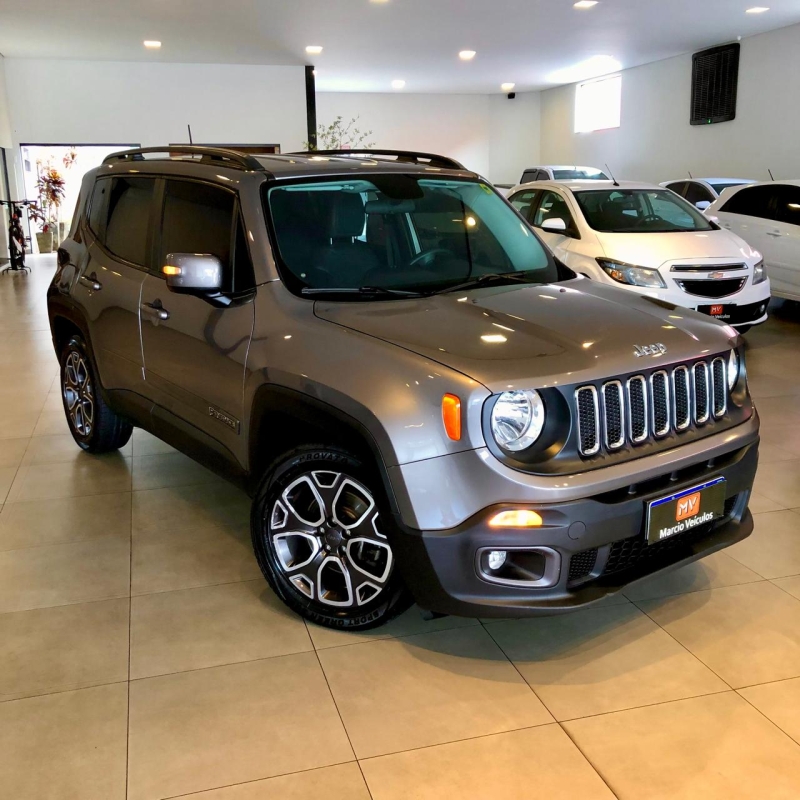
x: 496, y: 559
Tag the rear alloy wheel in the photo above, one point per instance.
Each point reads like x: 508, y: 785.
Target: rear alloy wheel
x: 320, y: 540
x: 93, y: 424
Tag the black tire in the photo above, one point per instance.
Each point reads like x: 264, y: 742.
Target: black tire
x: 330, y: 549
x: 93, y: 425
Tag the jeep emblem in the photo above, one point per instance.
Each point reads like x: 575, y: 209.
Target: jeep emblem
x: 657, y: 349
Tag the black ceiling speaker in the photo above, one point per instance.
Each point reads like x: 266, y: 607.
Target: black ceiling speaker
x: 715, y: 78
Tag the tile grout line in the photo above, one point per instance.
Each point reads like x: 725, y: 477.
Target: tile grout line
x: 130, y: 648
x: 341, y: 720
x: 544, y: 705
x: 768, y: 719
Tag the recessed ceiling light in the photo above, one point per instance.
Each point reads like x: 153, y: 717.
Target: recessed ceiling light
x: 398, y: 84
x: 507, y: 87
x: 466, y: 55
x: 153, y: 44
x: 585, y: 4
x: 379, y: 2
x: 757, y: 10
x: 314, y: 49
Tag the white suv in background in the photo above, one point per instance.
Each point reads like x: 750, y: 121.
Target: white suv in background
x: 767, y: 216
x: 702, y: 192
x: 648, y: 240
x: 562, y: 173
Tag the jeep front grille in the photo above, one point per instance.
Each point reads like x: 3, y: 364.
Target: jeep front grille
x: 643, y: 409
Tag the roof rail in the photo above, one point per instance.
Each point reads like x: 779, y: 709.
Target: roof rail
x: 401, y: 156
x: 232, y: 158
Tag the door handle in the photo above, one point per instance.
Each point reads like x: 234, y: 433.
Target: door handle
x: 155, y: 309
x: 91, y: 282
x: 776, y: 234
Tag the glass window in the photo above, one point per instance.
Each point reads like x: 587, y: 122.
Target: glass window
x: 433, y: 233
x: 598, y: 104
x: 579, y: 174
x: 543, y: 175
x: 720, y: 187
x: 125, y: 217
x: 552, y: 206
x: 524, y: 202
x: 98, y: 205
x: 788, y: 204
x: 530, y: 175
x: 640, y: 211
x: 678, y: 187
x: 198, y: 218
x: 697, y: 193
x: 755, y: 201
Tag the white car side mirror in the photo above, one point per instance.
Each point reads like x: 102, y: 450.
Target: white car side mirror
x: 714, y: 219
x: 554, y: 224
x: 703, y: 204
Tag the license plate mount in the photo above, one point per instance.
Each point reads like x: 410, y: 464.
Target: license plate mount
x: 685, y: 511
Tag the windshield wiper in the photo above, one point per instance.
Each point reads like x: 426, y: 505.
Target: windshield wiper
x: 361, y: 291
x: 492, y: 277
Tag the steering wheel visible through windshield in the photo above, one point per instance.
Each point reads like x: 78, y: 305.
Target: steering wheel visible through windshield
x: 639, y: 211
x: 396, y: 233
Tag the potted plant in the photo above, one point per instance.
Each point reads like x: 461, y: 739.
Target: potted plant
x: 50, y: 187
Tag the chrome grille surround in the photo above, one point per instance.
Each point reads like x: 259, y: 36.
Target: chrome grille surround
x: 645, y: 408
x: 588, y: 439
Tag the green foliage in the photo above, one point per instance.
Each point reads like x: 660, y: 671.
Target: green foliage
x: 341, y: 136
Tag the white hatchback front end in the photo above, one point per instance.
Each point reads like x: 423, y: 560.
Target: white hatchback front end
x: 669, y: 251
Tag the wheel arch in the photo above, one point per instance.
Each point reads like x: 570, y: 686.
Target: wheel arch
x: 281, y: 419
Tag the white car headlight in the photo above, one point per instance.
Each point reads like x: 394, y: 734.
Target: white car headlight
x: 632, y: 275
x: 733, y: 369
x: 517, y: 419
x: 759, y: 273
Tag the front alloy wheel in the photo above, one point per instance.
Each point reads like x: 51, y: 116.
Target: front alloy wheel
x: 321, y: 543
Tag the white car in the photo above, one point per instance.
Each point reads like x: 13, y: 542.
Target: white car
x: 650, y: 241
x: 702, y: 192
x: 767, y: 216
x: 562, y: 173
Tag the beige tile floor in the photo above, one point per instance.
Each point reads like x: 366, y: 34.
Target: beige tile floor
x: 143, y: 656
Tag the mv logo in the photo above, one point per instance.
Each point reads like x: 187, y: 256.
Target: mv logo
x: 688, y: 507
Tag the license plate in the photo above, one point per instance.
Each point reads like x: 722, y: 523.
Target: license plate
x: 718, y: 310
x: 682, y: 512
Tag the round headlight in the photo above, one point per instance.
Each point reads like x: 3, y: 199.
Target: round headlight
x: 733, y: 369
x: 517, y: 419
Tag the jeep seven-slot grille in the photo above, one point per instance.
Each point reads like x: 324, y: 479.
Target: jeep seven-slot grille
x: 641, y: 408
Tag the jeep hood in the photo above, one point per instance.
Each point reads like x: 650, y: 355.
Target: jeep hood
x: 654, y: 249
x: 535, y: 336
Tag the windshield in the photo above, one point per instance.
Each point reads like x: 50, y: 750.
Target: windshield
x: 719, y: 188
x: 579, y: 174
x: 400, y: 233
x: 640, y: 211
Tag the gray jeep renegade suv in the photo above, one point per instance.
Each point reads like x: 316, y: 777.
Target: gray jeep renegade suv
x: 422, y: 402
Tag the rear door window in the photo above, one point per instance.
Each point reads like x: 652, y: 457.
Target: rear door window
x: 524, y: 202
x: 756, y: 201
x: 679, y: 187
x: 788, y: 204
x: 697, y: 193
x: 120, y: 216
x: 552, y: 206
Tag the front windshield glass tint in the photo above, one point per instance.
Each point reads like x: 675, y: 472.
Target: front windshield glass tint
x: 640, y: 211
x: 578, y: 174
x: 400, y: 232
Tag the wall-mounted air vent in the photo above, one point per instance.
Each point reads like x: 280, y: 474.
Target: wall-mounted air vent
x: 715, y: 77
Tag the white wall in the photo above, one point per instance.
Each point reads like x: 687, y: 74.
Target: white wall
x: 102, y: 102
x: 456, y: 125
x: 514, y: 136
x: 655, y: 141
x: 5, y: 126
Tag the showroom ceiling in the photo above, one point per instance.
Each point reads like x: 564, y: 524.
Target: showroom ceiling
x: 369, y: 44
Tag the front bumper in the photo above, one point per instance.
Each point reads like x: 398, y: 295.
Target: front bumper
x: 599, y: 542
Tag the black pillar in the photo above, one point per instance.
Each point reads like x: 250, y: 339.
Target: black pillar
x: 311, y: 107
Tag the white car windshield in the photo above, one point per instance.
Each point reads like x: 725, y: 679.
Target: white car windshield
x: 640, y: 211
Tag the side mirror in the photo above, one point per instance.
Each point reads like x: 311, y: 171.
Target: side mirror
x: 192, y: 272
x: 703, y: 204
x: 714, y: 219
x: 555, y: 224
